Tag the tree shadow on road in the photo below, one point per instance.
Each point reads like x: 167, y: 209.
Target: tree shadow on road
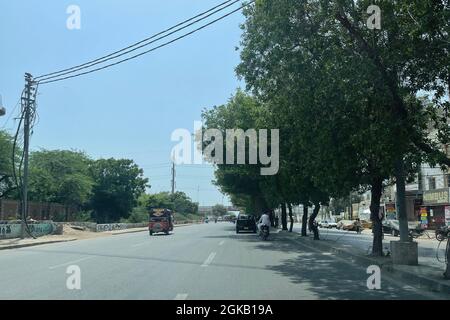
x: 326, y: 275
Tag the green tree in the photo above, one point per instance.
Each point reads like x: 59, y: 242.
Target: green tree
x: 7, y: 183
x: 118, y: 184
x: 239, y: 180
x: 329, y: 99
x: 219, y: 210
x: 60, y: 176
x: 178, y: 202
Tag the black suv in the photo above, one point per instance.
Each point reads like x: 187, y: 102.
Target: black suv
x: 246, y: 222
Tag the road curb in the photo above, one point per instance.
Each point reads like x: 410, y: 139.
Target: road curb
x: 385, y: 263
x: 24, y: 245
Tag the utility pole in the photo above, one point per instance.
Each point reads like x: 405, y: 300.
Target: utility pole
x: 198, y: 195
x: 28, y: 104
x: 173, y: 177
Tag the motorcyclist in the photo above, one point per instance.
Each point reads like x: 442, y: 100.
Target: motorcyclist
x: 264, y: 221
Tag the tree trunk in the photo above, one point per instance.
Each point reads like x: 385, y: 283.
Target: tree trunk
x: 272, y: 218
x: 283, y: 216
x: 377, y: 188
x: 291, y: 217
x: 312, y: 226
x: 258, y: 205
x: 304, y: 220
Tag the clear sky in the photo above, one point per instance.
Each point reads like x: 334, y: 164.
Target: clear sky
x: 130, y: 110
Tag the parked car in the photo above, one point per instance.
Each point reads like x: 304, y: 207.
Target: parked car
x: 246, y: 222
x: 340, y: 225
x: 392, y: 227
x: 324, y: 224
x: 332, y: 225
x: 347, y: 225
x: 366, y: 224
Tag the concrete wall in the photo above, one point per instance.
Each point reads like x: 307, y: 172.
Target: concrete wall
x: 13, y: 230
x: 118, y: 226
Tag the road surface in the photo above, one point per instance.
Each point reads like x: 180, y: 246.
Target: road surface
x: 208, y: 261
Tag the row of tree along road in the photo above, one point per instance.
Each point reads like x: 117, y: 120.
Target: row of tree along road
x: 354, y: 106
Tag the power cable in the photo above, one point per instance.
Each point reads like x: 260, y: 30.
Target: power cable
x: 12, y: 112
x: 135, y: 44
x: 148, y: 51
x: 127, y: 50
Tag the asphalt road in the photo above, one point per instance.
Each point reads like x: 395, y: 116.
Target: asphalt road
x: 208, y: 261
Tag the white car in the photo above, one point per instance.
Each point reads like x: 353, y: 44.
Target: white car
x: 332, y: 225
x: 324, y: 224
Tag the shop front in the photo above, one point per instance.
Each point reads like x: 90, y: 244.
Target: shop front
x: 413, y: 203
x: 435, y: 210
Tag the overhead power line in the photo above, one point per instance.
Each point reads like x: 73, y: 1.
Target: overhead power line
x: 136, y: 45
x: 59, y: 76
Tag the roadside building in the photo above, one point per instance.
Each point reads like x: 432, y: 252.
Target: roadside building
x: 435, y: 210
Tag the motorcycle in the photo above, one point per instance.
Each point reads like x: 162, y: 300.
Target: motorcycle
x: 442, y: 233
x: 417, y: 232
x: 264, y: 232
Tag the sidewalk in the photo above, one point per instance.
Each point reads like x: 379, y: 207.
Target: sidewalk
x: 428, y: 274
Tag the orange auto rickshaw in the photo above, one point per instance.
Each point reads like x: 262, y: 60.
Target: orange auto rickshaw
x: 160, y: 220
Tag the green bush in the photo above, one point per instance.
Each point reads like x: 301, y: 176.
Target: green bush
x: 83, y: 216
x: 138, y: 215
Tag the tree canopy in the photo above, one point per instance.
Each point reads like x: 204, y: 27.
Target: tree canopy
x: 118, y: 183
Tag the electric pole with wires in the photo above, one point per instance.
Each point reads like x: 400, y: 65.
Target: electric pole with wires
x: 28, y: 104
x: 173, y: 177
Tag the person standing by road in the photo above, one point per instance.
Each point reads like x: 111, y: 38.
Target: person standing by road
x: 358, y: 225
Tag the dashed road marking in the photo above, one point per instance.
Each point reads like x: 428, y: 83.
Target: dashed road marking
x: 209, y: 259
x: 181, y: 296
x: 221, y: 242
x: 69, y: 263
x: 139, y: 244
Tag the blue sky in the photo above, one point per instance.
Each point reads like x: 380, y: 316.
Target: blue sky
x: 128, y: 111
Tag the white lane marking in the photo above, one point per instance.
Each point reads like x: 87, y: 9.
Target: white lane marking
x: 139, y: 244
x: 181, y: 296
x: 221, y: 242
x: 209, y: 259
x: 70, y: 262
